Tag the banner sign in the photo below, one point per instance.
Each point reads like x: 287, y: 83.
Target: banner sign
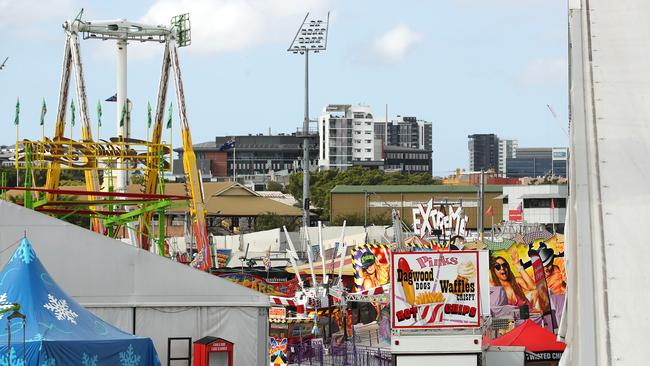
x: 435, y: 290
x: 277, y: 312
x: 542, y: 356
x: 283, y: 289
x: 450, y: 220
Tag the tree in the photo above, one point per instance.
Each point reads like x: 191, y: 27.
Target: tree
x: 322, y: 182
x: 274, y: 186
x: 271, y: 220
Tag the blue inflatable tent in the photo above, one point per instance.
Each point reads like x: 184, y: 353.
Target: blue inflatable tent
x: 58, y: 331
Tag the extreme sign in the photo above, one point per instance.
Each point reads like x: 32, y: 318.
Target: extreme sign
x: 435, y: 290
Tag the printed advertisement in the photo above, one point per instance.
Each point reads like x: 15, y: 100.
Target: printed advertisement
x: 371, y: 266
x: 223, y: 257
x: 435, y: 290
x: 516, y: 277
x: 278, y: 351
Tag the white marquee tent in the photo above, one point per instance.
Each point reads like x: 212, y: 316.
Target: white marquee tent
x: 138, y: 291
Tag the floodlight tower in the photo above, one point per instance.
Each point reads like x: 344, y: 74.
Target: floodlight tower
x: 122, y: 31
x: 310, y: 37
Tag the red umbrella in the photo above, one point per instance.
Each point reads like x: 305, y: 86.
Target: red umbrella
x: 532, y: 336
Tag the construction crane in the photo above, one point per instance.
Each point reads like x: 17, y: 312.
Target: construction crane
x: 173, y: 37
x: 2, y: 66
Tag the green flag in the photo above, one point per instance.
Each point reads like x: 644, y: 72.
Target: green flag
x: 148, y: 115
x: 169, y: 119
x: 72, y: 111
x: 43, y: 111
x: 99, y: 114
x: 123, y: 117
x: 17, y: 118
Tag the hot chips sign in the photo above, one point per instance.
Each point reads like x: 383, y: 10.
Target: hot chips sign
x: 435, y: 290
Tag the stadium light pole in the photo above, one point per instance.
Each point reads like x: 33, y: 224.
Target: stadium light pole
x: 310, y: 37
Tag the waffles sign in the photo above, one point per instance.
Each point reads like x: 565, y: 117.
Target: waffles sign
x: 449, y: 219
x: 435, y: 290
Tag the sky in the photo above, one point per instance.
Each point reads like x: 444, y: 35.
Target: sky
x: 467, y: 66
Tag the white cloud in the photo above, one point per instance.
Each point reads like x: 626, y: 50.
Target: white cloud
x: 394, y: 45
x: 26, y: 16
x: 544, y: 71
x: 232, y: 25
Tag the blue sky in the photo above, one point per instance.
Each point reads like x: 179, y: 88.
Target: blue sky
x: 468, y: 66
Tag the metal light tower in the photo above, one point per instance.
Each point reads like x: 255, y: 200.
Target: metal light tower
x: 310, y: 37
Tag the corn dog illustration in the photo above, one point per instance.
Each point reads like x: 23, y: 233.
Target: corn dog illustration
x: 409, y: 291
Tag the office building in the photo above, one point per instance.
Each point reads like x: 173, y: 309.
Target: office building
x: 252, y: 155
x: 507, y: 150
x: 483, y: 152
x: 406, y: 132
x: 407, y: 160
x: 538, y: 162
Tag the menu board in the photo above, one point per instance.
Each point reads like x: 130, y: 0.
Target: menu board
x: 435, y: 290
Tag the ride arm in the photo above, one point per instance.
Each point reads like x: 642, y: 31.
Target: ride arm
x: 192, y: 173
x: 151, y: 175
x: 91, y: 175
x: 54, y: 171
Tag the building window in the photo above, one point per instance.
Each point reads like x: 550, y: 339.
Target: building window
x: 368, y: 132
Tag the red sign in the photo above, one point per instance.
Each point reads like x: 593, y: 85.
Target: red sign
x: 515, y: 215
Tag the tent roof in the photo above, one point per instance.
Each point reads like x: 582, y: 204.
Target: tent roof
x: 99, y: 271
x: 51, y: 314
x: 532, y: 336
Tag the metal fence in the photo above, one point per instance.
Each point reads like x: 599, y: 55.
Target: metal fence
x: 347, y: 354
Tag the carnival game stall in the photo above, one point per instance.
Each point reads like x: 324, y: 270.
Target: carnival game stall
x: 541, y: 345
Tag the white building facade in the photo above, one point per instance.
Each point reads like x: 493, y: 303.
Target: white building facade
x: 507, y: 150
x: 538, y: 204
x: 346, y: 134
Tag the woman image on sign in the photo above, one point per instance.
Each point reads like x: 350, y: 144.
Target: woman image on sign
x: 369, y: 271
x: 514, y: 287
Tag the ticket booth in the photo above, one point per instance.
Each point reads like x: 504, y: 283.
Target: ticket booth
x: 213, y: 351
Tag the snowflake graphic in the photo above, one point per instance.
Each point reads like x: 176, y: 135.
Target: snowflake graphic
x: 88, y: 360
x: 60, y: 309
x: 12, y: 359
x: 4, y: 303
x: 48, y: 362
x: 129, y: 358
x: 24, y: 252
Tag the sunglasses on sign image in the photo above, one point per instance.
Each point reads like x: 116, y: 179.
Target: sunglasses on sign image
x: 505, y: 266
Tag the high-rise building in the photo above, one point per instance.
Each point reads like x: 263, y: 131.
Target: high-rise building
x: 483, y: 152
x: 346, y: 136
x: 507, y: 150
x: 538, y: 162
x: 406, y: 132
